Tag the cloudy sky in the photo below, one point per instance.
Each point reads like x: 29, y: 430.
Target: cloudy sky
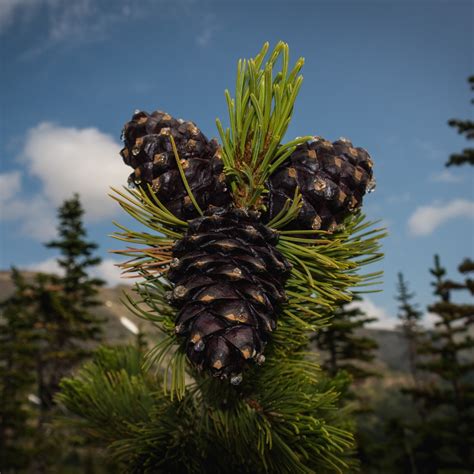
x: 388, y: 74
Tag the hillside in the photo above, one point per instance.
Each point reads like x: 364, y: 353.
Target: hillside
x: 112, y: 311
x: 391, y: 354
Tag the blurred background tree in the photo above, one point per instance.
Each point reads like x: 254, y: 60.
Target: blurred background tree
x: 48, y: 327
x: 466, y: 128
x: 347, y: 355
x: 410, y: 318
x: 66, y: 301
x: 18, y: 349
x: 342, y: 345
x: 446, y: 431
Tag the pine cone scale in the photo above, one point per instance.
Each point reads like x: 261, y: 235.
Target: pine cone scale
x: 227, y: 308
x: 148, y: 150
x: 332, y: 179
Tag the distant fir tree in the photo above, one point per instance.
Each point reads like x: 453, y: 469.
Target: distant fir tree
x: 18, y: 347
x: 410, y: 317
x: 447, y: 432
x: 65, y: 302
x: 47, y: 326
x: 466, y: 128
x: 52, y: 323
x: 343, y: 347
x: 346, y: 355
x: 400, y: 426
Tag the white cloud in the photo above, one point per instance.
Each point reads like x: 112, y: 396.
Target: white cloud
x: 64, y: 160
x: 72, y: 20
x: 429, y: 320
x: 49, y: 265
x: 107, y: 270
x: 71, y: 160
x: 9, y: 8
x: 67, y: 21
x: 9, y: 185
x: 35, y: 216
x: 384, y: 319
x: 204, y: 37
x: 446, y: 176
x: 209, y: 27
x: 426, y: 219
x: 64, y: 17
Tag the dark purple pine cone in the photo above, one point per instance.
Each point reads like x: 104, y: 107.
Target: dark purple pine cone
x: 229, y: 283
x: 149, y: 152
x: 332, y: 179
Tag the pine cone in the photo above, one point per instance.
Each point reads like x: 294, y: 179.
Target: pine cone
x: 229, y: 281
x: 332, y: 178
x: 149, y: 151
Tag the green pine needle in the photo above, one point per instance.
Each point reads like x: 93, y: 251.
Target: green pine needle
x: 259, y: 117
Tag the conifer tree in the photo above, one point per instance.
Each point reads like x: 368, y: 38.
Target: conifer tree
x: 66, y: 302
x: 447, y: 431
x: 249, y: 245
x: 399, y: 430
x: 18, y: 348
x: 410, y: 317
x: 345, y: 349
x: 48, y: 327
x: 346, y: 356
x: 466, y: 128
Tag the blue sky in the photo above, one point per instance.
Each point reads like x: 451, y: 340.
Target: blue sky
x: 386, y: 74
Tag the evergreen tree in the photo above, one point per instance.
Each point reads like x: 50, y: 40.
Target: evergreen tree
x: 410, y: 317
x: 346, y: 355
x: 18, y: 348
x: 344, y: 348
x: 227, y: 253
x: 466, y: 128
x: 447, y: 431
x: 65, y: 303
x: 398, y: 426
x: 48, y: 327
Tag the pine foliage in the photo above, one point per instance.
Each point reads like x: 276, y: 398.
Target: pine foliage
x: 261, y: 427
x: 282, y: 417
x: 343, y: 347
x: 67, y: 324
x: 446, y: 433
x: 465, y: 128
x: 18, y: 346
x: 410, y: 317
x: 47, y: 328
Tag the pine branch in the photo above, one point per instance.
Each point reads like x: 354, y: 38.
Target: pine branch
x: 259, y: 117
x: 262, y: 427
x: 283, y: 416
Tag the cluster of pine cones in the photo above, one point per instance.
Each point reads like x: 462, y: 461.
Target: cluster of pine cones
x: 229, y: 277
